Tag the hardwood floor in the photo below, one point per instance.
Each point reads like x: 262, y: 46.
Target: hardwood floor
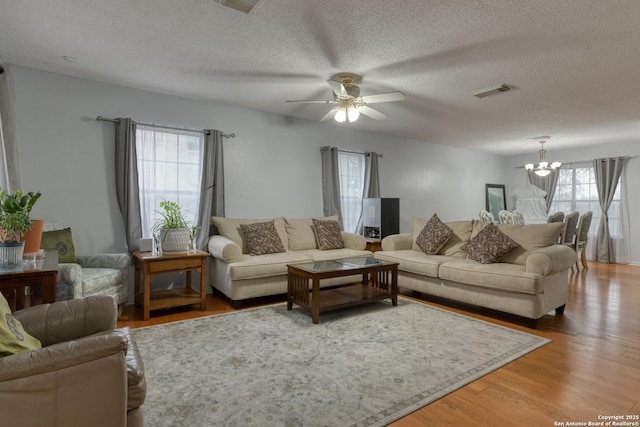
x: 589, y: 370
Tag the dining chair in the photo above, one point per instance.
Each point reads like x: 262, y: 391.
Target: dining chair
x: 506, y: 217
x: 517, y: 217
x: 486, y: 216
x: 569, y: 230
x: 582, y: 235
x: 556, y: 217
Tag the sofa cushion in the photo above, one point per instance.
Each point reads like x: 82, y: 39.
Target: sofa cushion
x: 262, y: 238
x: 62, y: 241
x: 453, y: 246
x: 328, y: 234
x: 300, y: 233
x: 502, y: 276
x: 530, y: 237
x: 254, y: 266
x: 13, y: 338
x: 414, y: 261
x: 433, y: 236
x: 230, y: 228
x: 95, y: 280
x: 489, y: 245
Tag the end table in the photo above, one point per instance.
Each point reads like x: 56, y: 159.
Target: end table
x: 147, y: 265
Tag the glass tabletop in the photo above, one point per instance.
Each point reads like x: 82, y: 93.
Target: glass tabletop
x: 340, y: 264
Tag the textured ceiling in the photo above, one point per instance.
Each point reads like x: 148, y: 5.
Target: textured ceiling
x: 574, y: 65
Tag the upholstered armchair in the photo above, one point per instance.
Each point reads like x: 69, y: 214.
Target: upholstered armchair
x: 87, y: 373
x: 85, y: 275
x: 99, y: 274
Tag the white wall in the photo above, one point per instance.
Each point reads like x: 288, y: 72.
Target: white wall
x: 272, y: 167
x: 516, y: 178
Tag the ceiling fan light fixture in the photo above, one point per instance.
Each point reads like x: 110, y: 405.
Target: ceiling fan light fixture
x: 341, y: 115
x: 353, y: 114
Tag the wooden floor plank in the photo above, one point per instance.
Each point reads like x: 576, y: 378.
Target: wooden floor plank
x: 591, y: 367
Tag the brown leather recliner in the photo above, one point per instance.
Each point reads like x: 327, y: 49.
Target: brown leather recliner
x: 88, y: 373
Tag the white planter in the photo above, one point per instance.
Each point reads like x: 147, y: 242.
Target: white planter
x: 11, y: 252
x: 175, y: 240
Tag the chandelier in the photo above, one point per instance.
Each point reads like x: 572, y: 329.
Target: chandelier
x: 543, y: 168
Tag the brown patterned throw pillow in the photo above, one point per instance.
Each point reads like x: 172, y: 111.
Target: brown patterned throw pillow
x: 262, y: 238
x: 489, y: 245
x: 433, y: 236
x: 328, y: 234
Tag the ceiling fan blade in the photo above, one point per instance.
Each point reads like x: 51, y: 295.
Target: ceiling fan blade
x: 337, y: 88
x: 329, y: 115
x: 374, y: 114
x: 384, y: 97
x: 310, y: 101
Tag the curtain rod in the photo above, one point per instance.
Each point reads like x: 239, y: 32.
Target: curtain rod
x: 224, y: 135
x: 574, y: 162
x: 357, y: 152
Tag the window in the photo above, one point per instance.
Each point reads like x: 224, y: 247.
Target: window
x: 169, y: 168
x: 351, y: 169
x: 577, y: 191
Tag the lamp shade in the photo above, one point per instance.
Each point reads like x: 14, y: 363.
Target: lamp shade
x: 341, y: 115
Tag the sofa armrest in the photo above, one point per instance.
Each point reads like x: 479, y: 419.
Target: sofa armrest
x: 353, y: 241
x: 61, y: 355
x: 397, y: 242
x: 70, y: 273
x: 224, y: 249
x: 551, y: 259
x: 68, y: 320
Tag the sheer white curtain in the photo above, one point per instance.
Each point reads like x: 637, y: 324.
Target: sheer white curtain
x: 351, y: 167
x: 371, y: 183
x: 169, y: 168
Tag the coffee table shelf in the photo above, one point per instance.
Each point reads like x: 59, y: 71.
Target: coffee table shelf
x: 379, y: 281
x: 346, y: 296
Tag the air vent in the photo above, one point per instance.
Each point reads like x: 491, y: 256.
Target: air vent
x: 491, y: 91
x: 245, y: 6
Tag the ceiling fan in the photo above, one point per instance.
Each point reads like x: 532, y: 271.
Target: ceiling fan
x: 348, y: 102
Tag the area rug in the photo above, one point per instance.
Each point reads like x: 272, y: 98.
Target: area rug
x: 364, y: 366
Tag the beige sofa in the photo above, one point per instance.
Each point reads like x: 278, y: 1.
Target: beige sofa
x: 241, y: 276
x: 529, y: 281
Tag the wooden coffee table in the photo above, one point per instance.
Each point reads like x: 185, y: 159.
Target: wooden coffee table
x: 379, y: 281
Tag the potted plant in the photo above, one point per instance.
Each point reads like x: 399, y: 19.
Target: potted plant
x: 15, y: 221
x: 171, y: 227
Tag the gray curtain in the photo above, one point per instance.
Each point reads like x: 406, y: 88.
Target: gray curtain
x: 547, y: 183
x: 371, y: 182
x: 211, y: 185
x: 127, y: 189
x: 10, y: 177
x: 331, y: 182
x: 607, y: 174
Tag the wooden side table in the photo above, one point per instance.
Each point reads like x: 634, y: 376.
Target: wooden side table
x: 14, y: 279
x: 374, y: 245
x: 148, y: 265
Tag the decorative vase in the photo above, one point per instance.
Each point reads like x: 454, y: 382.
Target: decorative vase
x: 11, y: 253
x: 175, y: 240
x: 33, y: 237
